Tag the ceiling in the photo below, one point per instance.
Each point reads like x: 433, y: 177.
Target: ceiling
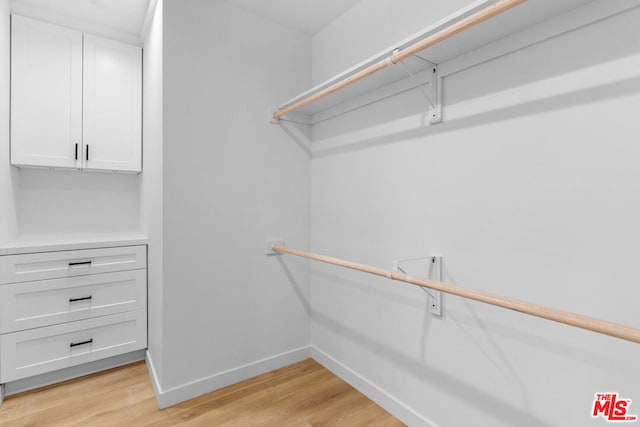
x: 308, y: 16
x: 124, y: 19
x: 121, y: 18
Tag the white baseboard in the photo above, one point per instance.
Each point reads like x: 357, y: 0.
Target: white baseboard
x: 199, y: 387
x: 42, y: 380
x: 155, y: 382
x: 193, y: 389
x: 372, y: 391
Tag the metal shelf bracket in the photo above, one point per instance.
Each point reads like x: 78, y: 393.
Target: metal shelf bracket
x: 434, y: 273
x: 433, y: 91
x: 435, y: 95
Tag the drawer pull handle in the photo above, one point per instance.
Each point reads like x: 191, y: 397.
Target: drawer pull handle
x: 80, y: 299
x: 84, y: 263
x: 75, y: 344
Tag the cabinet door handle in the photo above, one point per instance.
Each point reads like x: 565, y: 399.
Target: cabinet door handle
x: 80, y: 299
x: 76, y: 151
x: 75, y: 344
x: 87, y: 152
x: 86, y: 263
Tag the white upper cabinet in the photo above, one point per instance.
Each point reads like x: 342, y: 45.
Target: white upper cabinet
x: 46, y: 94
x: 112, y: 99
x: 75, y: 99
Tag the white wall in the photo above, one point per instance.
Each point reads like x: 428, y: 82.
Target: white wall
x: 528, y: 189
x: 231, y: 181
x: 61, y: 202
x: 8, y: 178
x: 151, y: 180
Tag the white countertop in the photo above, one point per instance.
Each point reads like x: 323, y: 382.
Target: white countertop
x: 66, y: 242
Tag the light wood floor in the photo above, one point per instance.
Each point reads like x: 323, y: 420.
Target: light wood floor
x: 304, y: 394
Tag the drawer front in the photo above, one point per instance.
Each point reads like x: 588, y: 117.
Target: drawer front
x: 49, y: 302
x: 53, y: 265
x: 36, y: 351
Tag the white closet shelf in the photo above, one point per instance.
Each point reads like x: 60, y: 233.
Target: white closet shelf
x: 516, y: 16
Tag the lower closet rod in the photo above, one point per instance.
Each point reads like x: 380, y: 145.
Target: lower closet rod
x: 572, y: 319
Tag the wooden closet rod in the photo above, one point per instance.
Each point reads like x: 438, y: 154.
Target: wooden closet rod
x: 577, y: 320
x: 455, y: 28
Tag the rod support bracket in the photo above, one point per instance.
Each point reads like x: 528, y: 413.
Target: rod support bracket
x: 271, y: 111
x: 433, y: 91
x: 435, y: 95
x: 434, y: 270
x: 270, y: 245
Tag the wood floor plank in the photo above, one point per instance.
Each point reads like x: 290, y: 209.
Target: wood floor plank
x: 301, y: 395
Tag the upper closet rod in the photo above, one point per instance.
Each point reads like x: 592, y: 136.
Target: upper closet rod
x: 577, y: 320
x: 464, y: 24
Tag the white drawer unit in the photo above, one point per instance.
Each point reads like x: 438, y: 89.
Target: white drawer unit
x: 52, y: 265
x: 40, y: 350
x: 64, y: 308
x: 49, y: 302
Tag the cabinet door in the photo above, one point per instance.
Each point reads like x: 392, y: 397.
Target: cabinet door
x: 46, y: 94
x: 112, y: 105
